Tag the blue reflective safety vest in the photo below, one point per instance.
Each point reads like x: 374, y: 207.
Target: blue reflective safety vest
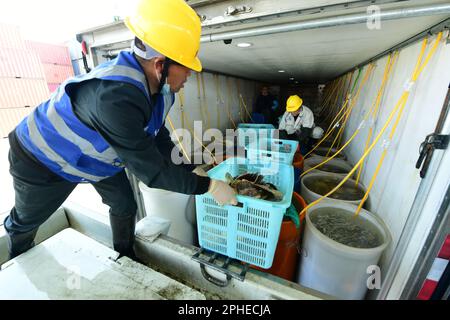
x: 69, y: 148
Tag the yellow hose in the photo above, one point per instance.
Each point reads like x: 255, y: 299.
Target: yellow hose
x: 178, y: 139
x: 219, y: 99
x: 358, y: 163
x: 352, y: 105
x: 400, y: 104
x: 181, y: 101
x: 327, y: 96
x: 229, y: 99
x: 327, y: 134
x: 230, y: 116
x: 245, y: 107
x: 184, y: 115
x: 340, y: 86
x: 241, y: 113
x: 191, y: 130
x: 418, y: 70
x: 344, y: 146
x: 199, y: 97
x: 332, y: 126
x: 205, y: 102
x: 376, y: 105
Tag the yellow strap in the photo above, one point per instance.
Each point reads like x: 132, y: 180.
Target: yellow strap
x: 205, y: 103
x: 228, y: 102
x: 184, y: 115
x: 199, y: 97
x: 352, y: 105
x: 190, y: 128
x: 400, y: 104
x: 327, y: 134
x: 335, y: 110
x: 368, y: 72
x: 181, y: 102
x: 335, y: 102
x: 245, y: 107
x: 219, y: 99
x: 336, y: 120
x: 374, y: 109
x: 359, y: 162
x: 418, y: 70
x: 241, y: 113
x: 328, y: 95
x: 178, y: 139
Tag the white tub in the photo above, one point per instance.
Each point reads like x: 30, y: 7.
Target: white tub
x: 322, y: 151
x: 337, y: 269
x: 311, y: 196
x: 333, y: 163
x: 177, y: 207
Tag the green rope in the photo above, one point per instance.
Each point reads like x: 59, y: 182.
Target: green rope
x: 356, y: 80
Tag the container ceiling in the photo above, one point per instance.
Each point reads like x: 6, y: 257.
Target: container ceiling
x: 311, y: 56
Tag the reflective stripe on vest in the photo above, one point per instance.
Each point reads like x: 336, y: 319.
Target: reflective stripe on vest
x: 58, y: 139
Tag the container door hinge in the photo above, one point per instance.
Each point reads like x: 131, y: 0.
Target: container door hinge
x: 432, y: 142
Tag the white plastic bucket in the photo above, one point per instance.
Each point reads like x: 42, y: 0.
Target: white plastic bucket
x: 336, y: 166
x: 311, y: 196
x: 177, y: 207
x: 322, y: 151
x: 337, y: 269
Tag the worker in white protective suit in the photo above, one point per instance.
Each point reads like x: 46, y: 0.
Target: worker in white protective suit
x: 297, y: 122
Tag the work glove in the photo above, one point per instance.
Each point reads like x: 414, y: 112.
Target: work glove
x: 222, y: 192
x: 200, y: 172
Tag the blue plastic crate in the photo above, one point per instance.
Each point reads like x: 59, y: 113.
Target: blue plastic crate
x: 272, y: 150
x: 252, y: 132
x: 248, y: 231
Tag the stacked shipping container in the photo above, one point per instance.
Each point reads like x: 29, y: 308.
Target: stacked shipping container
x: 22, y: 79
x: 29, y: 72
x: 55, y: 61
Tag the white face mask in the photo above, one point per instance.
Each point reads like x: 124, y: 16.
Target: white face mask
x: 165, y: 90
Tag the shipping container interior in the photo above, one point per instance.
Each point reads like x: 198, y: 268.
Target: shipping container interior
x: 359, y: 70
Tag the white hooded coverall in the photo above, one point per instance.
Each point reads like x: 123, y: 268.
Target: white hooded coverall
x: 305, y: 119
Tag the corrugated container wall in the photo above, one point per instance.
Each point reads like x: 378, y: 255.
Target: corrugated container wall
x: 52, y: 86
x: 10, y: 118
x: 20, y: 93
x: 19, y: 63
x: 50, y: 53
x: 10, y: 37
x: 22, y: 79
x: 55, y: 61
x: 57, y: 74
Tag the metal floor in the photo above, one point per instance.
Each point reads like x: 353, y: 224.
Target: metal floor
x: 70, y: 265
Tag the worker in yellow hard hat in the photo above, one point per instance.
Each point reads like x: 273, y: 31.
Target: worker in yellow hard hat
x: 98, y: 124
x: 297, y: 122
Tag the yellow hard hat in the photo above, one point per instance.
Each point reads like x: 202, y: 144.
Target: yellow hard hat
x: 293, y: 103
x: 171, y: 27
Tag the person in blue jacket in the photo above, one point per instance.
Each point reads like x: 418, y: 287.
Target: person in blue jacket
x: 112, y: 118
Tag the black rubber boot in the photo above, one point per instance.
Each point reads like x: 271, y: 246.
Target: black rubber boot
x: 123, y: 228
x: 18, y: 243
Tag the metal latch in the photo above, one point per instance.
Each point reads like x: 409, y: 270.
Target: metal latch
x: 432, y: 142
x: 211, y: 259
x: 232, y: 10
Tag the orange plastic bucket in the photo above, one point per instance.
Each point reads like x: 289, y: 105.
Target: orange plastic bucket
x: 298, y: 160
x: 286, y: 255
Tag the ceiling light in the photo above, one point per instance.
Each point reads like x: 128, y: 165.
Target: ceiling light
x: 281, y: 71
x: 244, y: 44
